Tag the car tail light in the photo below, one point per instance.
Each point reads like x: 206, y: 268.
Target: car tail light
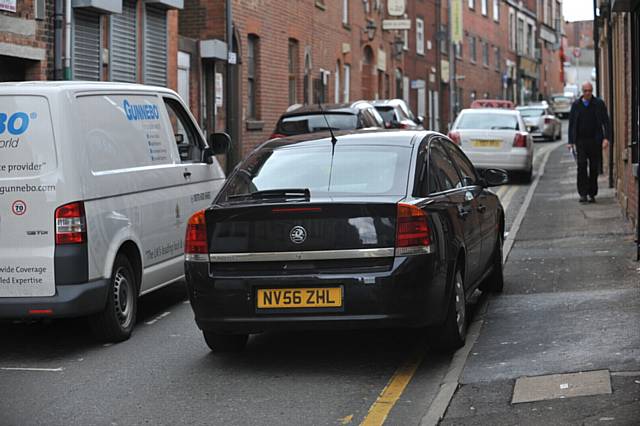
x: 276, y: 136
x: 404, y: 126
x: 412, y: 232
x: 547, y: 120
x: 455, y: 137
x: 71, y: 225
x: 520, y: 140
x: 196, y: 237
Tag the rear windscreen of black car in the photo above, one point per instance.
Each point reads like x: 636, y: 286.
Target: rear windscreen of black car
x: 488, y: 121
x: 300, y: 124
x: 361, y: 169
x: 387, y: 113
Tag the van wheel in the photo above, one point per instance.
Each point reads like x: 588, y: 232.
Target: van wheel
x: 115, y: 323
x: 454, y: 330
x: 220, y: 343
x: 494, y: 283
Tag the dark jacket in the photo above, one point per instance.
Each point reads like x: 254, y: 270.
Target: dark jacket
x: 604, y: 126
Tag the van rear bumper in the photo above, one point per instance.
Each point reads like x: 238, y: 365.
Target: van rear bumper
x: 73, y: 300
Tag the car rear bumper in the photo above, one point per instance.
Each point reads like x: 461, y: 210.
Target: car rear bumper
x: 411, y: 294
x: 71, y: 300
x: 517, y: 159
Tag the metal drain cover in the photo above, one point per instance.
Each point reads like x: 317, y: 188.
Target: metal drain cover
x: 556, y: 386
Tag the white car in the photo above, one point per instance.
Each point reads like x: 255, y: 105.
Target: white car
x: 541, y: 122
x: 495, y: 138
x: 97, y: 182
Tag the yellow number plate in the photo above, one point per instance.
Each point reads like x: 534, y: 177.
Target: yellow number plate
x: 482, y: 143
x: 270, y: 298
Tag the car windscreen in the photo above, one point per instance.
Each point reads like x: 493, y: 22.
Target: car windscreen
x: 561, y: 99
x: 387, y: 113
x: 487, y: 121
x: 531, y: 112
x: 361, y: 169
x: 300, y: 124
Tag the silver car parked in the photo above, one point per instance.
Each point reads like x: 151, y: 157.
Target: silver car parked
x: 541, y: 122
x: 495, y: 138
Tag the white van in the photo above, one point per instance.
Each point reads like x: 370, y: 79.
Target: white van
x: 97, y: 183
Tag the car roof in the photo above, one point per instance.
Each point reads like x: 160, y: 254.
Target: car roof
x: 504, y: 111
x: 352, y: 137
x: 352, y: 108
x: 388, y: 102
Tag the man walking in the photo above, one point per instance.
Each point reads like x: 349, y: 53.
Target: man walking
x: 589, y: 133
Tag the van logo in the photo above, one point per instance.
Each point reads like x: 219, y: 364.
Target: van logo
x: 298, y: 234
x: 135, y: 112
x: 16, y: 123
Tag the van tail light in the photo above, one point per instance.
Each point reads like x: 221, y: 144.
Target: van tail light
x: 412, y: 231
x: 520, y: 140
x: 547, y: 120
x: 71, y: 224
x: 195, y: 245
x: 455, y: 137
x: 276, y: 136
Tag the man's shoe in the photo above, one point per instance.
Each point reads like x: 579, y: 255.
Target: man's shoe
x: 583, y: 198
x: 592, y: 199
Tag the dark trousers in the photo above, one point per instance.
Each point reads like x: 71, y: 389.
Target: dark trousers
x: 589, y: 159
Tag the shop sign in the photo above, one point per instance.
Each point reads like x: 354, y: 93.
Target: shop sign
x: 8, y: 5
x: 396, y: 7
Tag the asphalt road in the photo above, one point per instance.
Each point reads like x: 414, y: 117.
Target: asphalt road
x: 53, y: 373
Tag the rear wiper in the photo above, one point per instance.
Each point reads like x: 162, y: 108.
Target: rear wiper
x: 501, y: 128
x: 274, y: 193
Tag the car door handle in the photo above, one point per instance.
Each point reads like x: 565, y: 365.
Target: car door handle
x: 463, y: 212
x: 187, y: 175
x: 482, y: 208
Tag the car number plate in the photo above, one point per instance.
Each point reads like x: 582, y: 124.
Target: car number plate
x: 278, y: 298
x: 482, y: 143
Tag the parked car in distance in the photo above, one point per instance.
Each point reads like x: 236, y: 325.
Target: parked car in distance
x: 302, y: 119
x: 541, y: 122
x: 397, y: 115
x: 495, y: 138
x: 97, y: 182
x: 376, y: 229
x: 561, y: 104
x: 492, y: 103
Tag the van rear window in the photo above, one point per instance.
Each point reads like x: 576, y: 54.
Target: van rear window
x: 27, y: 147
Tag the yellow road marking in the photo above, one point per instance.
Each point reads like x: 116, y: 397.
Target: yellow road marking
x: 346, y: 420
x: 391, y: 393
x: 508, y: 196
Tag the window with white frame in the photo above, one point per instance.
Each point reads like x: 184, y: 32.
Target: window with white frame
x: 483, y: 7
x: 520, y: 36
x: 405, y: 38
x: 419, y: 36
x: 345, y: 12
x: 496, y: 10
x: 346, y: 75
x: 485, y: 53
x: 336, y: 83
x: 472, y: 4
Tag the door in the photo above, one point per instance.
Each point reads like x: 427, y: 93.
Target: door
x: 463, y: 205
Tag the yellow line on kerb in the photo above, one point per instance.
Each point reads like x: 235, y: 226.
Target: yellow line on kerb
x: 391, y: 393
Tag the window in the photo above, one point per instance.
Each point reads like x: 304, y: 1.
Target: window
x: 512, y: 31
x: 472, y: 48
x: 293, y: 71
x: 529, y: 39
x: 496, y: 52
x: 483, y: 7
x: 306, y: 89
x: 345, y: 12
x: 442, y: 169
x: 405, y: 38
x: 444, y: 41
x: 547, y: 12
x: 466, y: 169
x: 419, y: 36
x: 252, y: 76
x: 496, y: 10
x: 558, y: 18
x: 185, y: 135
x: 336, y: 83
x: 399, y: 90
x: 472, y: 4
x: 520, y: 37
x: 346, y: 75
x: 458, y: 49
x: 485, y: 53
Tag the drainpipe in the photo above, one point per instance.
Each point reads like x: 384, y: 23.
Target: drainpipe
x: 234, y: 155
x: 611, y: 99
x: 57, y: 39
x: 67, y: 39
x: 596, y: 44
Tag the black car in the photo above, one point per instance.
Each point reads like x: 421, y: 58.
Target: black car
x: 397, y: 115
x: 302, y: 119
x: 379, y: 229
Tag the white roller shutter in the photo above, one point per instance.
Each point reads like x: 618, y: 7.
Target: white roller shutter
x: 155, y: 46
x: 86, y: 45
x: 124, y: 54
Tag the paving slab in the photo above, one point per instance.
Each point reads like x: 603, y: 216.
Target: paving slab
x: 557, y: 386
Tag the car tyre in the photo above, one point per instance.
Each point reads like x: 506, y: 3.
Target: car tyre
x: 117, y: 320
x: 494, y: 283
x: 221, y: 343
x: 526, y: 176
x: 452, y: 334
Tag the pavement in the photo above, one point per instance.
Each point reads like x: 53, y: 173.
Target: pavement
x: 564, y: 337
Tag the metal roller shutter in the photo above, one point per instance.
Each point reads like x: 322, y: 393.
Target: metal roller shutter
x: 86, y: 45
x: 155, y: 46
x: 124, y: 57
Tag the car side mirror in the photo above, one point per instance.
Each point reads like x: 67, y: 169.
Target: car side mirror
x: 420, y: 120
x: 494, y: 177
x: 220, y: 143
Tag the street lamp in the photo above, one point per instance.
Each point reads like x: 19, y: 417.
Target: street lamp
x: 398, y: 45
x: 370, y: 29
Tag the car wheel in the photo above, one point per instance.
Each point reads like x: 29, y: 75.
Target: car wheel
x: 454, y: 330
x: 494, y: 283
x: 115, y: 323
x: 220, y: 343
x: 527, y: 175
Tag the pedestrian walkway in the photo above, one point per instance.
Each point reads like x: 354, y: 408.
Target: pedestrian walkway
x: 571, y: 304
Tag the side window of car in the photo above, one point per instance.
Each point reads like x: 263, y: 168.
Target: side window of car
x: 442, y: 168
x: 185, y: 135
x: 466, y: 169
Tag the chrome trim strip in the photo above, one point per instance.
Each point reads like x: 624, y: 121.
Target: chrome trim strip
x: 196, y: 257
x: 301, y: 255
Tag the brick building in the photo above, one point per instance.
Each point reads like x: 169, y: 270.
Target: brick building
x: 550, y: 47
x: 619, y: 86
x: 114, y: 40
x: 579, y: 34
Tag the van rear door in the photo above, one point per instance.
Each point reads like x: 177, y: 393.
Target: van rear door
x: 27, y: 197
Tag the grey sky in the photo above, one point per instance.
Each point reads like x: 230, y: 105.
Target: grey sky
x: 577, y: 10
